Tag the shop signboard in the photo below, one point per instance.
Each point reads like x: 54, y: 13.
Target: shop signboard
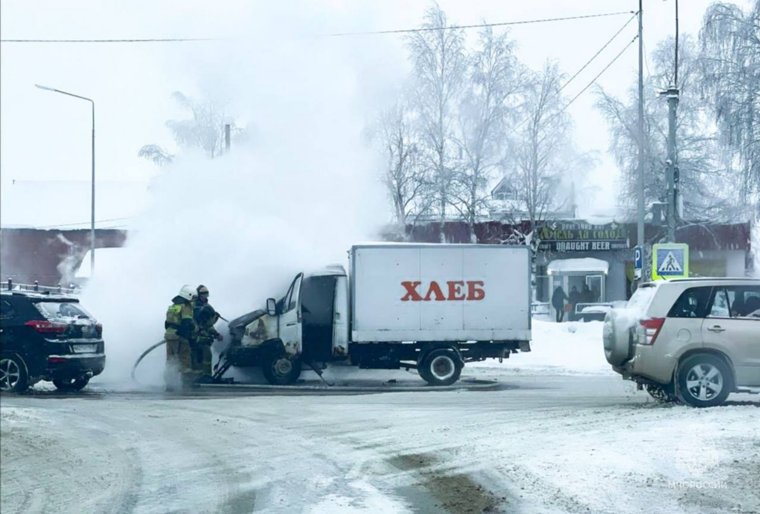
x: 582, y: 237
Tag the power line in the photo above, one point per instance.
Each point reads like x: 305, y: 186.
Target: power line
x: 480, y: 25
x: 600, y: 73
x: 83, y: 223
x: 339, y: 34
x: 568, y: 104
x: 615, y: 35
x: 136, y: 40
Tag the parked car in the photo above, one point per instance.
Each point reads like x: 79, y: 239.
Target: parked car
x: 595, y: 311
x: 694, y: 340
x: 47, y: 337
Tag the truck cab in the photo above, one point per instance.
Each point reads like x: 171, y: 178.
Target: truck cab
x: 307, y: 325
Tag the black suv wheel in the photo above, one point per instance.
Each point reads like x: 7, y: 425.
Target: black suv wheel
x: 13, y: 375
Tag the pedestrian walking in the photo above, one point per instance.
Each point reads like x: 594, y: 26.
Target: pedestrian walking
x: 574, y: 298
x: 558, y: 302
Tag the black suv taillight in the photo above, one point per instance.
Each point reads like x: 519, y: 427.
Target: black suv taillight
x: 47, y: 327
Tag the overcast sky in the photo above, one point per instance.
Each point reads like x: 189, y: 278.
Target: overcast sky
x: 274, y: 73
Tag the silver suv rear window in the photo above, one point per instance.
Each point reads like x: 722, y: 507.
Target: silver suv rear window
x: 642, y: 297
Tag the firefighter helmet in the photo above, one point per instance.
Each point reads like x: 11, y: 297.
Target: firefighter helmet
x: 187, y: 292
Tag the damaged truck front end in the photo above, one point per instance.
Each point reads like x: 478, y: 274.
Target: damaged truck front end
x: 308, y: 326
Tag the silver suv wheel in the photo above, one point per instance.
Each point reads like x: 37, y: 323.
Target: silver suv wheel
x: 703, y: 380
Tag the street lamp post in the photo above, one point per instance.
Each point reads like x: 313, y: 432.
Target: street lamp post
x: 92, y: 191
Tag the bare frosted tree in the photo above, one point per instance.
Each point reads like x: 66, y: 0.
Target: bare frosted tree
x: 700, y: 170
x: 622, y: 116
x: 731, y: 80
x: 489, y: 100
x: 404, y: 179
x: 534, y: 164
x: 203, y: 130
x: 439, y: 70
x: 156, y: 154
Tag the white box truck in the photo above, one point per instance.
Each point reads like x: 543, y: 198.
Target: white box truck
x: 430, y: 307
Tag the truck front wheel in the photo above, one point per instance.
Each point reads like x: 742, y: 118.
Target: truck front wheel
x: 440, y: 367
x: 281, y: 370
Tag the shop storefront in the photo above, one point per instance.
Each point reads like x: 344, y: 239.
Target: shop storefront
x: 583, y: 257
x: 717, y: 250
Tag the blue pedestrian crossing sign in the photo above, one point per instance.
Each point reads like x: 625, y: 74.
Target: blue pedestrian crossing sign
x: 670, y: 260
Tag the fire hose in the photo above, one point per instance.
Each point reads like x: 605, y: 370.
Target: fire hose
x: 146, y: 352
x: 153, y: 347
x: 217, y: 372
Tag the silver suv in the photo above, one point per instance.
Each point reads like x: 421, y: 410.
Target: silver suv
x: 694, y: 340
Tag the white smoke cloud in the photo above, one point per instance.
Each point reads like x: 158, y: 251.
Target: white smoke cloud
x: 303, y: 189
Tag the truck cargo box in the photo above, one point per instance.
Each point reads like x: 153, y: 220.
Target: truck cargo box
x: 439, y: 292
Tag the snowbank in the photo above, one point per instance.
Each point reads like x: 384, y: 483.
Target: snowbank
x: 563, y: 348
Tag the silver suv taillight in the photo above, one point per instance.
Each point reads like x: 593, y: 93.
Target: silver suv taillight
x: 648, y: 329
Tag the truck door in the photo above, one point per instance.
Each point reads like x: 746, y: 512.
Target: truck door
x: 289, y: 320
x: 317, y: 297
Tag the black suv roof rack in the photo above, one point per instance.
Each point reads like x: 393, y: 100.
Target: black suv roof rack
x: 38, y: 289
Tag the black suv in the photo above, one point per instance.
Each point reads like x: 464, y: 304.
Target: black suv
x: 47, y: 337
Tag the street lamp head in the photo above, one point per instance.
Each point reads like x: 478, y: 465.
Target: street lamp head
x: 44, y: 87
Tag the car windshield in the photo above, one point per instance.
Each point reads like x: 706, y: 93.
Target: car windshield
x: 62, y: 310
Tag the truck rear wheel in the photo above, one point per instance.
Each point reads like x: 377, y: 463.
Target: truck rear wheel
x: 440, y: 367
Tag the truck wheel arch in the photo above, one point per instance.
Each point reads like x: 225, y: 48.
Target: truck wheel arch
x: 426, y: 349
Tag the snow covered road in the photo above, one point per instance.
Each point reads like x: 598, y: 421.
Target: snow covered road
x: 541, y: 443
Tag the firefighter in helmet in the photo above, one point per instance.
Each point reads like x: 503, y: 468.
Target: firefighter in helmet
x: 180, y: 334
x: 205, y: 318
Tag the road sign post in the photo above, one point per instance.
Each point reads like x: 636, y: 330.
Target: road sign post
x: 638, y: 262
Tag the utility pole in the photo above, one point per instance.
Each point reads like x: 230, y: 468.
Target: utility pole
x: 671, y: 163
x: 227, y: 138
x: 671, y: 166
x: 640, y: 203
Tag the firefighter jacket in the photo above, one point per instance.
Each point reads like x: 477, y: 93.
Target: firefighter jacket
x: 179, y: 323
x: 205, y: 318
